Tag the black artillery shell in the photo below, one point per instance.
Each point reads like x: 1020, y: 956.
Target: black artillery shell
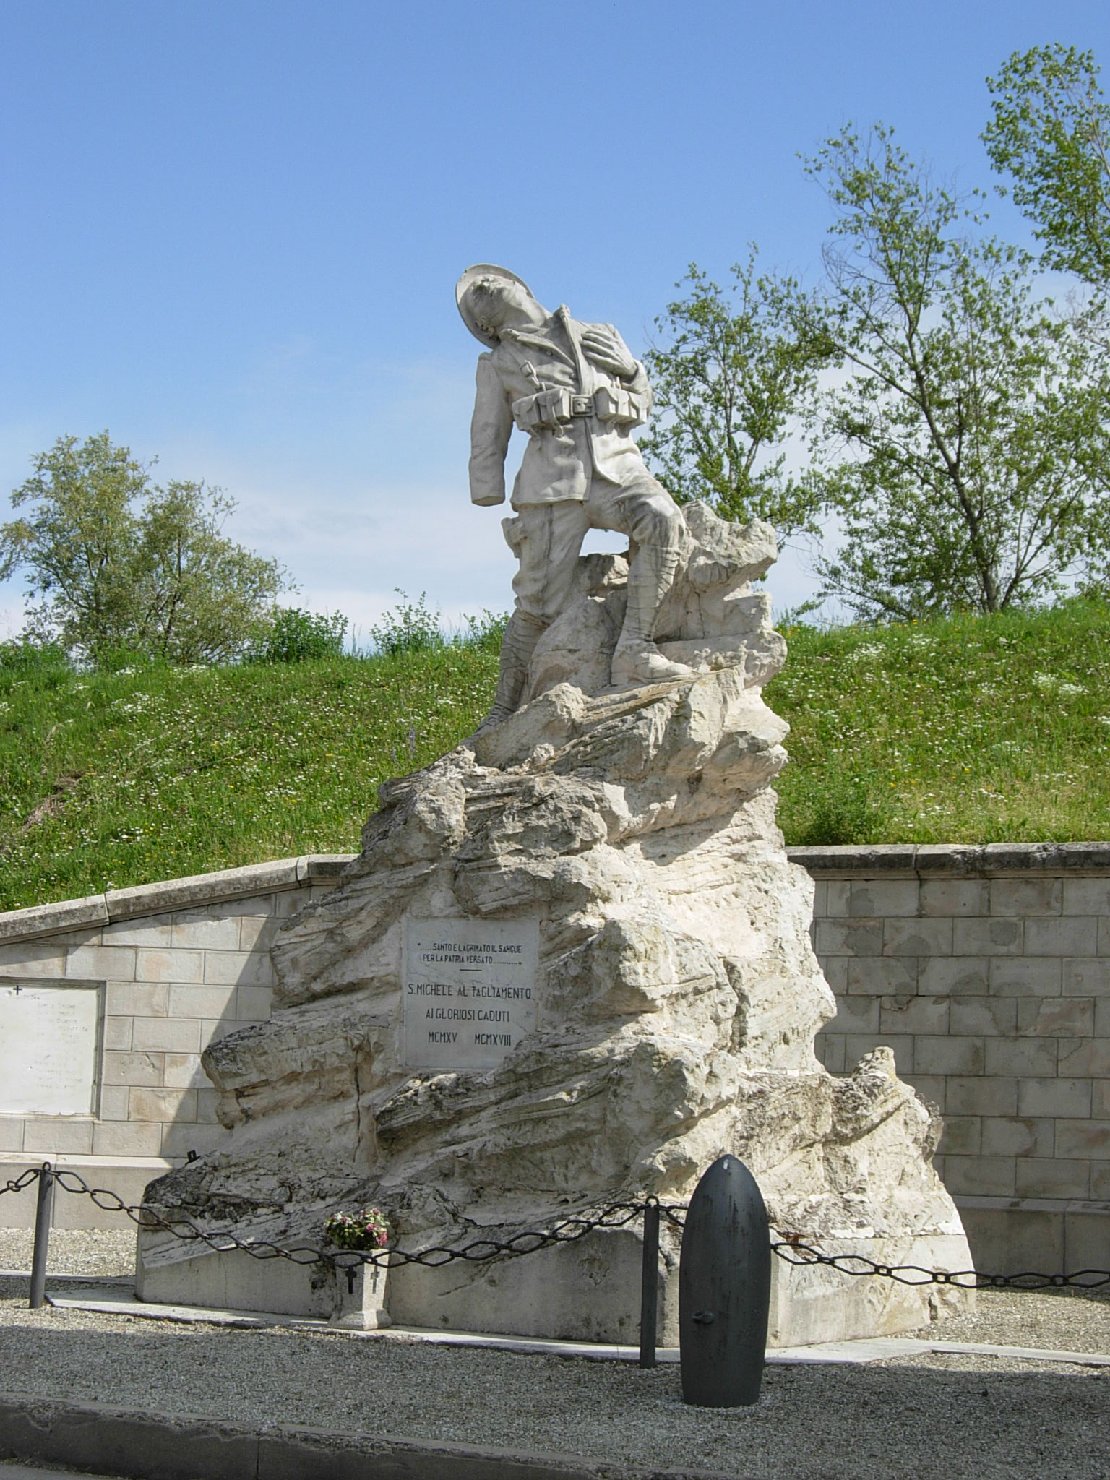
x: 724, y: 1289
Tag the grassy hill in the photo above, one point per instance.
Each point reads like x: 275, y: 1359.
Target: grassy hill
x: 963, y: 730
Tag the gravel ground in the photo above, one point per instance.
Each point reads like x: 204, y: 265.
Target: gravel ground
x: 106, y: 1254
x: 938, y: 1415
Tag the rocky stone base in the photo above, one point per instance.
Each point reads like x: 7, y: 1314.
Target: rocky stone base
x: 588, y: 1291
x: 629, y: 836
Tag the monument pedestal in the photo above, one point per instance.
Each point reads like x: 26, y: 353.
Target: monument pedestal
x: 361, y: 1298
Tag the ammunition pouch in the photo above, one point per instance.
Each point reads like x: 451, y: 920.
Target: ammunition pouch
x: 549, y: 409
x: 619, y: 408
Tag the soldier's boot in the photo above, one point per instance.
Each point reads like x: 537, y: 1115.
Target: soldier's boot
x: 517, y: 646
x: 636, y: 659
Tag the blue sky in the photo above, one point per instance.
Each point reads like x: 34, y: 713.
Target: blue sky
x: 232, y: 229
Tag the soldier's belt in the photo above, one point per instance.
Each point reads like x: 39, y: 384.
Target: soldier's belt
x: 554, y: 407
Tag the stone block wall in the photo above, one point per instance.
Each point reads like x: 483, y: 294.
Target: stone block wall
x: 987, y: 971
x: 176, y: 965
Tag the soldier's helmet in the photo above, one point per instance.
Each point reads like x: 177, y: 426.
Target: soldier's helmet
x: 474, y: 277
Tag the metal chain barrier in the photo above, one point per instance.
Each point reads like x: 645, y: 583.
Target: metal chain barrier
x: 791, y: 1248
x: 25, y: 1180
x: 793, y: 1251
x: 565, y: 1231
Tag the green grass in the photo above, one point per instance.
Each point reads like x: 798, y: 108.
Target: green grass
x: 114, y: 780
x: 967, y: 730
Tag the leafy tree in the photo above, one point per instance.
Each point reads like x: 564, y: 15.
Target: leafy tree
x: 80, y: 519
x: 200, y: 597
x: 1050, y: 132
x: 114, y: 562
x: 964, y: 447
x: 736, y: 367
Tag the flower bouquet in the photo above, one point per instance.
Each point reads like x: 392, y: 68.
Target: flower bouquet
x: 365, y: 1230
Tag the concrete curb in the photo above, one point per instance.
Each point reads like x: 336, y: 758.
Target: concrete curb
x: 117, y: 1298
x: 123, y: 1302
x: 98, y: 1438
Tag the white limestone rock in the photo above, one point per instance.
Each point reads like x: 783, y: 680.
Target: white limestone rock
x: 677, y: 999
x: 709, y: 620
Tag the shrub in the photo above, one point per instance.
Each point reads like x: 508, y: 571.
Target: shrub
x: 485, y: 632
x: 22, y: 655
x: 408, y: 628
x: 125, y: 660
x: 294, y: 636
x: 842, y: 811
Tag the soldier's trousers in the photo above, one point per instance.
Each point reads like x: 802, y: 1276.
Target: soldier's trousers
x: 547, y: 538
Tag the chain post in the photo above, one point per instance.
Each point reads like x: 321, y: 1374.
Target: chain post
x: 649, y: 1284
x: 44, y: 1215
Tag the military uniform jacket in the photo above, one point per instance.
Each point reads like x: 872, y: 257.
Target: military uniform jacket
x: 563, y: 456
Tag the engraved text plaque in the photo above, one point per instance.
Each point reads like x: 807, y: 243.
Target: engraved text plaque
x: 469, y: 991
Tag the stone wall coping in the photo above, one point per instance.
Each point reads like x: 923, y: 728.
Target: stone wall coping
x: 911, y: 860
x: 171, y: 894
x: 15, y: 1163
x: 1030, y: 1205
x: 956, y: 860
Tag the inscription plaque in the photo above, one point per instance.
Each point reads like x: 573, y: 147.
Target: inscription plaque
x: 469, y: 991
x: 48, y: 1043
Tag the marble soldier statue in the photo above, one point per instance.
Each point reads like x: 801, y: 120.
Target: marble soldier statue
x: 610, y: 866
x: 577, y: 392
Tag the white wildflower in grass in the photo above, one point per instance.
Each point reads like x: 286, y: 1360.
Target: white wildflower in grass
x: 1050, y: 683
x: 865, y: 650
